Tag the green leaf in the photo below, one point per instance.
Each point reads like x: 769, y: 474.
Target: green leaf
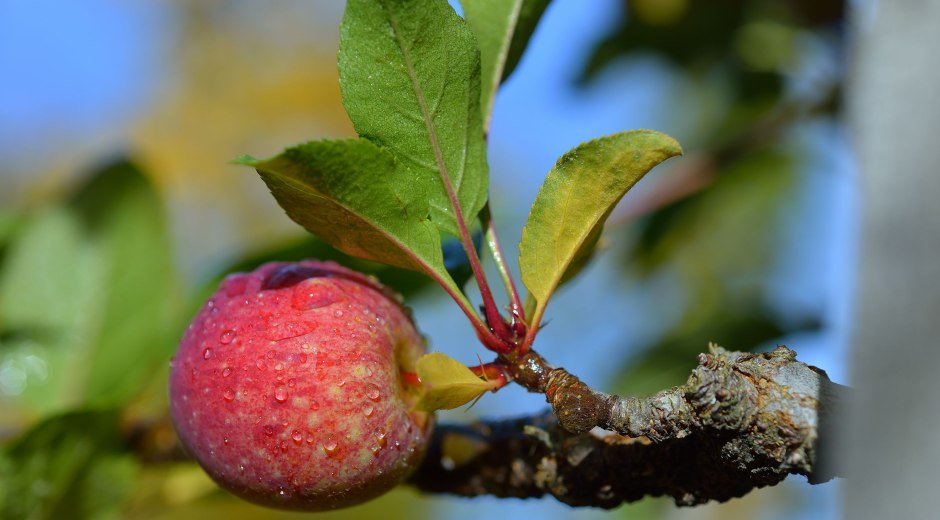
x: 503, y: 29
x: 89, y: 305
x: 69, y: 466
x: 50, y: 285
x: 357, y: 197
x: 448, y: 383
x: 410, y: 78
x: 576, y: 198
x: 9, y: 223
x: 137, y: 331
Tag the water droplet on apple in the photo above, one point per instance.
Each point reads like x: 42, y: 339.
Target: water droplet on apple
x: 260, y: 364
x: 368, y: 410
x: 228, y: 395
x: 376, y: 450
x: 314, y: 405
x: 373, y: 393
x: 331, y: 448
x: 226, y: 372
x: 280, y: 394
x: 279, y: 366
x: 268, y: 430
x: 380, y: 436
x: 307, y: 297
x: 206, y: 354
x: 303, y: 358
x: 227, y: 336
x: 297, y: 436
x: 270, y: 354
x: 291, y: 382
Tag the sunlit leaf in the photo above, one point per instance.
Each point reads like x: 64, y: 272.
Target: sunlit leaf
x: 357, y: 197
x: 574, y: 201
x: 503, y: 29
x: 410, y: 77
x: 447, y: 383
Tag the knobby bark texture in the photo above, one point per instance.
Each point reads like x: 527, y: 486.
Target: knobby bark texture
x: 740, y: 422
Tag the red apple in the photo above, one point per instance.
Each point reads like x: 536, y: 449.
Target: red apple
x: 287, y: 387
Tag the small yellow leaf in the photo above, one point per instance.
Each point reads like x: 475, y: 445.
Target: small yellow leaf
x: 448, y: 383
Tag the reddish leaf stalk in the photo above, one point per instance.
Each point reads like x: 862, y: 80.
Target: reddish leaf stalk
x: 493, y: 318
x: 516, y: 308
x: 491, y: 372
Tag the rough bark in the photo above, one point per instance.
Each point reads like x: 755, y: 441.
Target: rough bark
x: 740, y: 422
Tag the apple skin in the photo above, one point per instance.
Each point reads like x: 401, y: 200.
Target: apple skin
x: 286, y: 387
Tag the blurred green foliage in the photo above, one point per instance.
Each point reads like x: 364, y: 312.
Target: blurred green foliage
x: 89, y: 297
x: 91, y: 308
x: 719, y: 243
x: 69, y: 466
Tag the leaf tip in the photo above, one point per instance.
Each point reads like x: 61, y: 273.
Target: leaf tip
x: 245, y: 160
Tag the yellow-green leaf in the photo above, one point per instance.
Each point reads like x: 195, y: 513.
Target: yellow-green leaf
x: 448, y: 383
x: 576, y: 198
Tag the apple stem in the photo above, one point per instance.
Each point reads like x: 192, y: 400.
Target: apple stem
x: 494, y: 320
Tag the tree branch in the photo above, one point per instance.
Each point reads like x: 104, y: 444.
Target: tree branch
x: 740, y: 422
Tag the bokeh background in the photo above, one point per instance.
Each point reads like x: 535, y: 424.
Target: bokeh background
x: 119, y: 212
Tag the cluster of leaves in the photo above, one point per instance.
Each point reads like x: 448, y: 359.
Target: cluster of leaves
x: 418, y: 83
x: 91, y: 303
